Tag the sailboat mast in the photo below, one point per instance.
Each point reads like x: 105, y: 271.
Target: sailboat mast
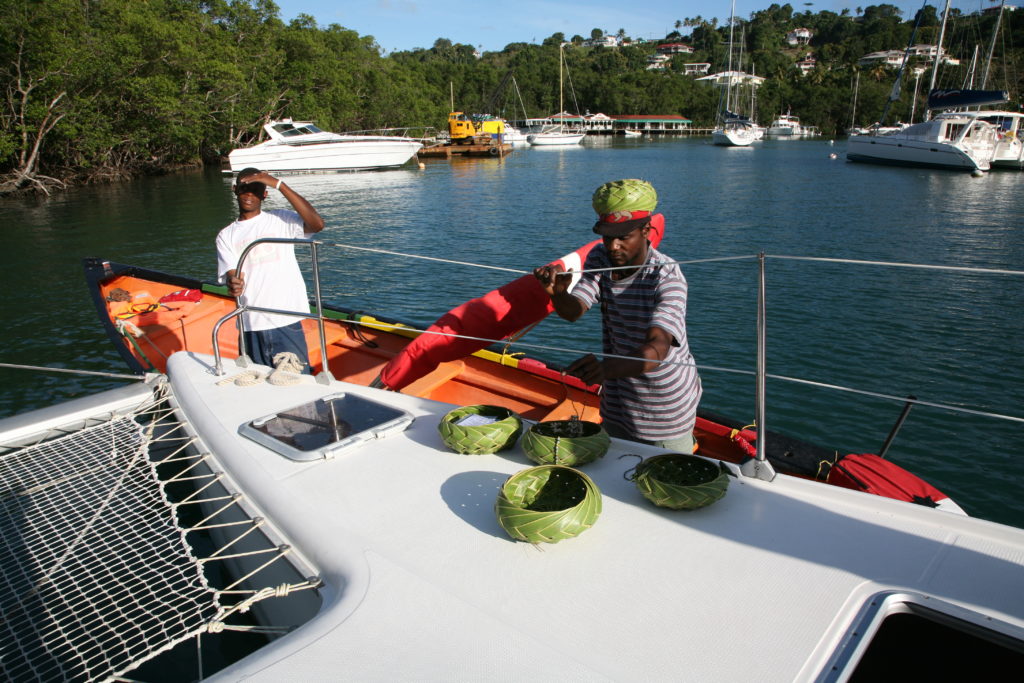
x: 561, y: 109
x: 856, y: 88
x: 728, y: 86
x: 938, y: 57
x: 992, y: 47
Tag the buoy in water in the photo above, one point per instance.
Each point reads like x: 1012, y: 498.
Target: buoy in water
x: 977, y: 173
x: 422, y: 165
x: 833, y: 155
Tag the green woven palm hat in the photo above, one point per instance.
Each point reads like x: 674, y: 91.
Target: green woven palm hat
x: 623, y: 205
x: 630, y: 194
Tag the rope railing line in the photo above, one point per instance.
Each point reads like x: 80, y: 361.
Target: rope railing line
x: 699, y: 366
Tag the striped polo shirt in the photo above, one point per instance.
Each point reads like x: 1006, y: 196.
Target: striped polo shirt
x: 661, y: 404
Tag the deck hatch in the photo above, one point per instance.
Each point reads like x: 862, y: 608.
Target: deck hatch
x: 326, y: 427
x: 911, y: 636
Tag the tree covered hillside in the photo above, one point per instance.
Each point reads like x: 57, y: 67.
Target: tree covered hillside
x: 102, y: 89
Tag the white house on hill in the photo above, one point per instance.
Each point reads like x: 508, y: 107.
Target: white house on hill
x: 799, y: 36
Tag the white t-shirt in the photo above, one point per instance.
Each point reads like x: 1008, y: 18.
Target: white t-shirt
x: 272, y: 275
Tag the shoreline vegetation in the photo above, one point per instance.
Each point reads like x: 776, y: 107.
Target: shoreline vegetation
x: 102, y: 91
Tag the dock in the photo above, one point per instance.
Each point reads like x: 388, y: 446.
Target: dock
x: 444, y: 151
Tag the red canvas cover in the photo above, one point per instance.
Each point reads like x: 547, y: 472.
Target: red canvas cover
x: 869, y: 473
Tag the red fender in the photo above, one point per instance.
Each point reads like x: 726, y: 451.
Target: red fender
x: 496, y: 315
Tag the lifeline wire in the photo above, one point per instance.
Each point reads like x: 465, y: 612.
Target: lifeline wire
x: 891, y: 264
x: 901, y: 399
x: 73, y: 372
x: 862, y: 392
x: 526, y: 272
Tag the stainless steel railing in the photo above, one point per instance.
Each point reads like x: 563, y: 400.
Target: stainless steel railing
x: 324, y: 377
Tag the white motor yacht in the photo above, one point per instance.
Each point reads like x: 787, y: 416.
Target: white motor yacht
x: 786, y: 126
x: 298, y: 146
x: 514, y: 136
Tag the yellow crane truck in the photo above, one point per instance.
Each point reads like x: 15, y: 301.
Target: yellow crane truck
x: 479, y: 129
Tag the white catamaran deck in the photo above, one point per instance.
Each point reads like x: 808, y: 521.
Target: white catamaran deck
x: 421, y: 583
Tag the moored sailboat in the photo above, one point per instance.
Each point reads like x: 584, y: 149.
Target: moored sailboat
x: 732, y: 129
x: 559, y: 134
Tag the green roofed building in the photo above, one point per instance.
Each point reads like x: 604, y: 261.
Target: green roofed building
x: 605, y: 124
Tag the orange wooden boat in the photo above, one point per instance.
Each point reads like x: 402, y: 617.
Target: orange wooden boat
x: 150, y: 315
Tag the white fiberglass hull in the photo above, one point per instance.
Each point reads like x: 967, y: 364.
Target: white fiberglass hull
x: 353, y: 153
x: 732, y: 138
x: 951, y: 140
x: 1009, y: 155
x: 1009, y: 148
x: 514, y: 137
x: 384, y: 568
x: 898, y: 150
x: 554, y: 139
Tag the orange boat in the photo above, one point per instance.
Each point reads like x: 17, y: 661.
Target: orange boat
x: 150, y: 315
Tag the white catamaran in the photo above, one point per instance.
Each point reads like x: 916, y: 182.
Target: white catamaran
x: 368, y: 549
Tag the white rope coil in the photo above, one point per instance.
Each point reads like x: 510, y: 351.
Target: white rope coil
x: 287, y: 367
x: 243, y: 379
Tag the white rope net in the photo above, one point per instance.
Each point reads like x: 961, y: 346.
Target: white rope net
x: 96, y: 572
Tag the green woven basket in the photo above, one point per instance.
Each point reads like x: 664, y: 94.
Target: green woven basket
x: 483, y: 438
x: 547, y: 504
x: 570, y: 442
x: 680, y: 481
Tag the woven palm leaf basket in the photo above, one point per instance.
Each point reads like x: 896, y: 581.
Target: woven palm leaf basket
x: 500, y: 430
x: 547, y: 504
x: 680, y: 481
x: 570, y: 442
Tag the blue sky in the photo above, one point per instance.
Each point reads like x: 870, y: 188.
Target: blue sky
x: 408, y: 24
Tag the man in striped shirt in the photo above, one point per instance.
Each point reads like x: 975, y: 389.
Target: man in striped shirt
x: 650, y: 383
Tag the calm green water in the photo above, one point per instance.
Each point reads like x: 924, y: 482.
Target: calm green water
x: 947, y: 338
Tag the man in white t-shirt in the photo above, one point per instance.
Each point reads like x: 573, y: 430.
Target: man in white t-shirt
x: 270, y: 276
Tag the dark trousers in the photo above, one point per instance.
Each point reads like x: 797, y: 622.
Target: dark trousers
x: 262, y: 345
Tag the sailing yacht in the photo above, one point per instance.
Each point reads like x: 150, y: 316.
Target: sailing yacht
x: 732, y: 130
x: 557, y: 135
x: 951, y: 140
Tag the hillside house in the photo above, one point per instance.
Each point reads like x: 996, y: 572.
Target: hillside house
x: 603, y: 41
x: 807, y: 63
x: 675, y: 49
x: 733, y: 78
x: 657, y: 62
x: 894, y: 58
x: 799, y: 36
